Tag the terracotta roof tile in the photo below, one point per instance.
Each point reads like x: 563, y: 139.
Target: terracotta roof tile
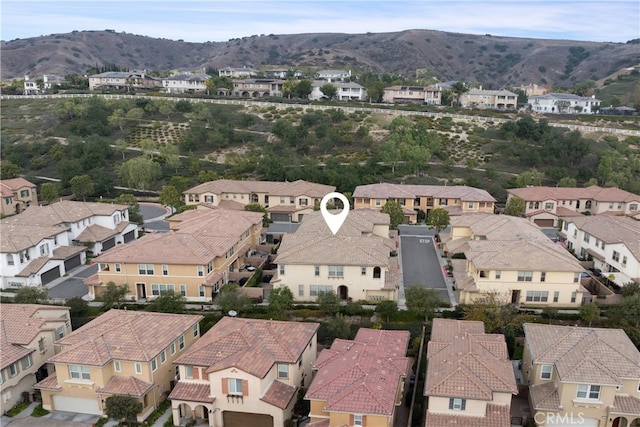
x: 279, y: 394
x: 64, y: 211
x: 363, y: 375
x: 49, y: 383
x: 496, y: 416
x: 545, y: 396
x: 17, y: 237
x: 125, y: 385
x: 624, y: 404
x: 251, y: 345
x: 96, y: 233
x: 273, y: 188
x: 572, y: 193
x: 387, y: 190
x: 8, y: 187
x: 611, y: 230
x: 192, y: 392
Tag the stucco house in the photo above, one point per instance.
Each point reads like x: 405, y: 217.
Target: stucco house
x: 564, y: 103
x: 29, y: 332
x: 17, y: 195
x: 612, y: 242
x: 121, y: 352
x: 244, y: 372
x: 512, y: 260
x: 470, y: 379
x: 360, y: 382
x: 345, y: 91
x: 257, y: 88
x: 186, y: 83
x: 237, y: 72
x: 581, y: 376
x: 332, y: 75
x: 429, y: 95
x: 496, y: 99
x: 359, y: 262
x: 123, y: 80
x: 193, y: 259
x: 284, y: 201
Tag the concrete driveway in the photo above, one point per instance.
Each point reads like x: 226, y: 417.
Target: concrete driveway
x: 420, y: 261
x: 72, y: 286
x: 53, y: 419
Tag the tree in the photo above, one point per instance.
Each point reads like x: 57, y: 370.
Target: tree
x: 529, y: 178
x: 170, y: 156
x: 280, y: 300
x: 303, y: 89
x: 121, y: 145
x: 30, y: 295
x: 589, y: 312
x: 567, y: 181
x: 81, y: 186
x: 515, y: 206
x: 117, y: 118
x: 422, y: 301
x: 458, y: 88
x: 9, y: 170
x: 169, y: 196
x: 438, y: 218
x: 230, y: 298
x: 134, y: 207
x: 550, y: 313
x: 113, y: 295
x: 329, y: 90
x: 339, y: 327
x: 630, y: 289
x: 396, y: 214
x: 328, y: 302
x: 78, y: 307
x: 257, y: 207
x: 168, y: 302
x: 49, y: 191
x: 140, y: 172
x: 631, y: 309
x: 387, y: 309
x: 122, y: 408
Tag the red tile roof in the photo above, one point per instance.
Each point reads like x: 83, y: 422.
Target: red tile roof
x: 192, y: 392
x: 625, y: 404
x: 49, y: 383
x: 125, y: 385
x: 363, y: 375
x: 496, y: 416
x: 279, y: 394
x: 545, y: 396
x: 571, y: 193
x: 251, y: 345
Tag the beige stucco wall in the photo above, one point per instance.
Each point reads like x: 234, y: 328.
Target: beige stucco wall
x: 440, y: 405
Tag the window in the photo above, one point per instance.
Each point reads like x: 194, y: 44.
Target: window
x: 588, y: 391
x: 363, y: 271
x: 470, y: 205
x: 292, y: 200
x: 378, y: 202
x: 138, y: 366
x: 443, y: 202
x: 210, y: 265
x: 154, y: 364
x: 234, y: 385
x: 145, y: 269
x: 525, y: 276
x: 377, y: 272
x: 281, y: 269
x: 159, y: 289
x: 556, y: 296
x: 574, y: 295
x: 183, y: 290
x: 24, y: 193
x: 59, y: 332
x: 543, y: 276
x: 79, y: 372
x: 282, y: 200
x: 188, y: 371
x: 172, y: 348
x: 498, y: 274
x: 118, y: 268
x: 200, y: 270
x: 336, y: 271
x: 26, y: 362
x: 537, y: 296
x: 300, y: 290
x: 116, y: 366
x: 586, y: 237
x: 358, y: 420
x: 457, y: 404
x: 165, y: 270
x: 576, y: 277
x: 163, y: 356
x: 283, y: 371
x: 304, y: 202
x: 10, y: 259
x: 624, y: 260
x: 13, y: 370
x: 548, y: 206
x: 546, y: 371
x: 316, y: 270
x: 196, y: 331
x: 616, y: 256
x: 633, y: 207
x: 314, y: 290
x: 181, y: 342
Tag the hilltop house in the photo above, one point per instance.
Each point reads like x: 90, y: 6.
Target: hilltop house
x: 470, y: 379
x: 118, y: 353
x: 193, y: 259
x: 186, y: 83
x: 346, y: 91
x: 566, y: 103
x: 581, y: 376
x: 244, y: 372
x: 612, y: 242
x: 17, y: 195
x: 360, y: 382
x: 358, y: 262
x: 333, y: 75
x: 456, y: 199
x: 429, y: 95
x: 257, y: 88
x: 236, y: 73
x: 284, y: 201
x: 123, y: 80
x: 511, y: 259
x: 26, y: 343
x: 545, y: 205
x: 495, y: 99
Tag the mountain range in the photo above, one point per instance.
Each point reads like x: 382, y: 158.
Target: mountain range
x: 493, y: 61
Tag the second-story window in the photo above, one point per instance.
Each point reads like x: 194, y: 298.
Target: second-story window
x: 546, y: 371
x: 145, y: 269
x: 79, y: 372
x: 525, y: 276
x: 336, y: 271
x: 138, y: 366
x: 165, y: 270
x: 235, y: 386
x: 457, y: 404
x: 588, y: 391
x: 283, y: 371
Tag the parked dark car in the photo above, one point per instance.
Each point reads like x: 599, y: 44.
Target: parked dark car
x: 267, y: 278
x: 243, y: 280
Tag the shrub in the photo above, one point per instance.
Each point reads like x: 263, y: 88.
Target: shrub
x: 39, y: 411
x: 17, y: 409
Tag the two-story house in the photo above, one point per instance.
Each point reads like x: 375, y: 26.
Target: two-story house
x: 494, y: 99
x: 235, y: 72
x: 17, y: 195
x: 345, y: 91
x: 257, y: 88
x: 123, y: 80
x: 186, y: 83
x: 332, y: 75
x: 564, y: 103
x: 545, y: 205
x: 612, y: 242
x: 429, y: 95
x: 284, y: 201
x: 26, y: 343
x: 360, y: 382
x: 244, y: 372
x: 511, y: 259
x: 118, y: 353
x: 581, y: 376
x: 193, y: 259
x: 456, y: 200
x: 470, y: 379
x: 358, y: 262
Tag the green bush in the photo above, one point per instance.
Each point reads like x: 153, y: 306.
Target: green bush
x: 17, y: 409
x: 39, y: 411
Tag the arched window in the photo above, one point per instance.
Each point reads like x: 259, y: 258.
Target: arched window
x: 376, y: 272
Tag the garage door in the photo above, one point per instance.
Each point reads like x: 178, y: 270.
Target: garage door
x: 243, y: 419
x: 280, y: 217
x: 50, y: 275
x: 543, y: 222
x: 567, y: 421
x: 108, y: 244
x: 72, y: 263
x: 129, y: 236
x: 81, y: 405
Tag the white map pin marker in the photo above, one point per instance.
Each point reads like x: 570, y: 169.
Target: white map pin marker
x: 334, y: 221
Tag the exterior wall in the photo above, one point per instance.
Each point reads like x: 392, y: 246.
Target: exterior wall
x: 424, y: 203
x: 547, y: 104
x: 483, y: 99
x: 12, y: 389
x: 22, y: 198
x: 440, y: 405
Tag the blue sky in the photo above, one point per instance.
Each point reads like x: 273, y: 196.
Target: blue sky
x: 215, y: 20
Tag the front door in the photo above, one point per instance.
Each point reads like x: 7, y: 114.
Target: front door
x: 515, y: 297
x: 142, y: 290
x: 343, y: 291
